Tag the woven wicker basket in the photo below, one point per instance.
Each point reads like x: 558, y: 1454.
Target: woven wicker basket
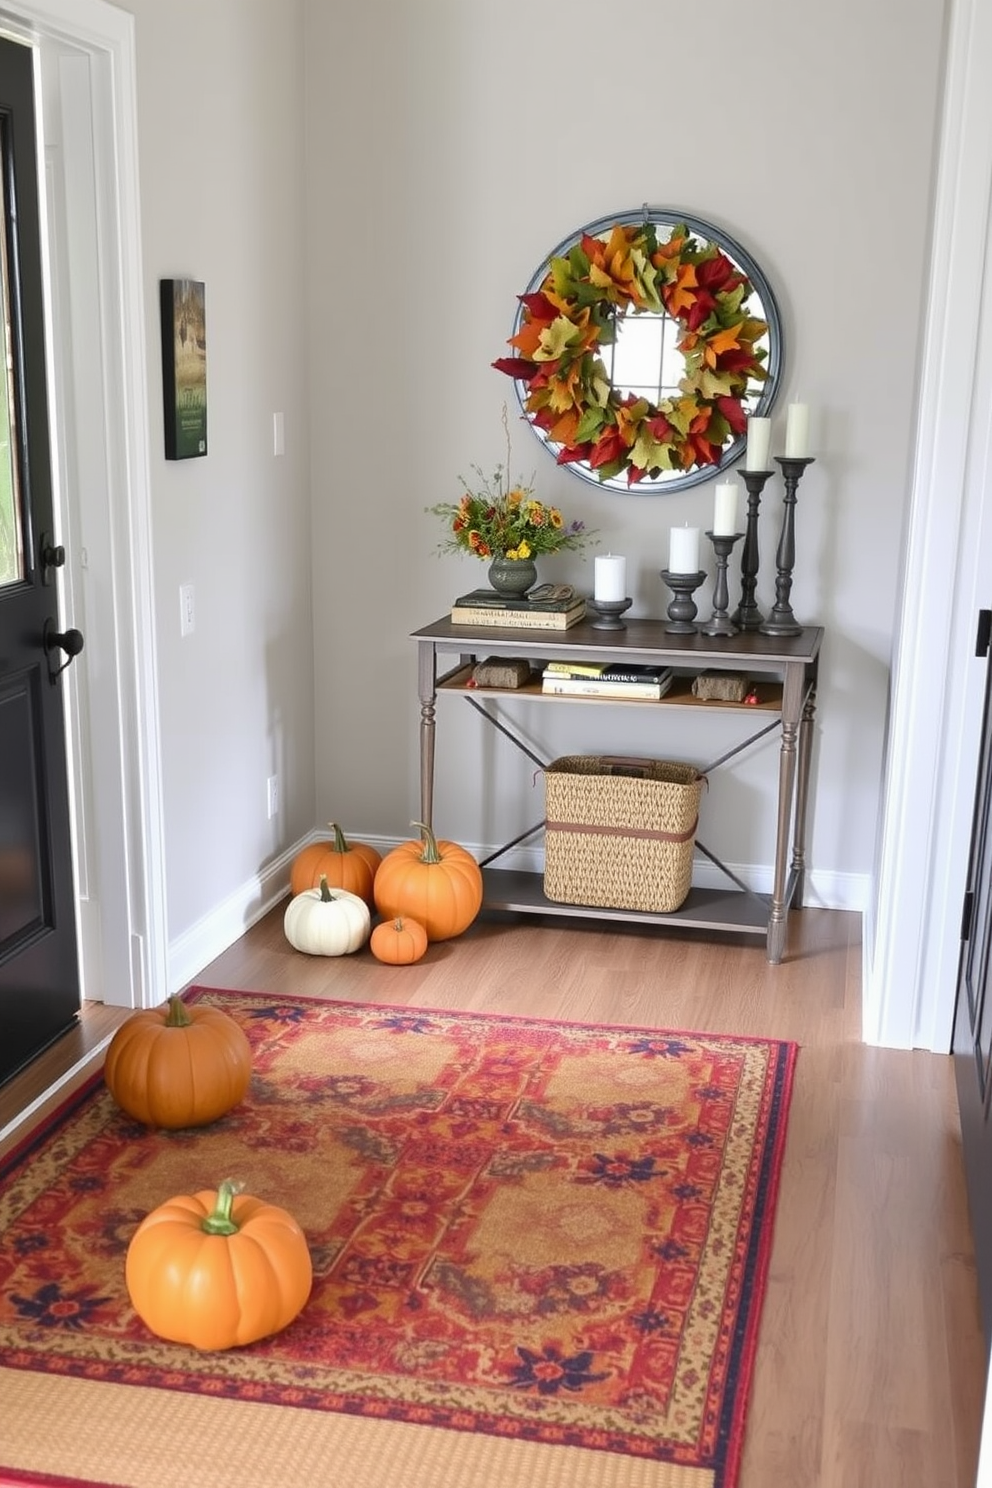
x: 620, y: 832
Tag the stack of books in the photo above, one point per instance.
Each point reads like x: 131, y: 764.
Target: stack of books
x: 486, y: 607
x: 612, y: 679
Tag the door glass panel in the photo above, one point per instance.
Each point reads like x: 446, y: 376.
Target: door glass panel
x: 11, y: 539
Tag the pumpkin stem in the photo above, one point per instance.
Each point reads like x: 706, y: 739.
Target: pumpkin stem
x: 178, y: 1016
x: 341, y: 844
x: 325, y: 894
x: 430, y: 853
x: 398, y: 923
x: 219, y: 1222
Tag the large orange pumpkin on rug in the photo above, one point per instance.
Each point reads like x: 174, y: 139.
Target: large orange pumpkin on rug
x: 346, y: 865
x: 175, y: 1066
x: 218, y: 1270
x: 432, y: 881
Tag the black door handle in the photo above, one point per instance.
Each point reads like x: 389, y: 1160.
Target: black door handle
x: 69, y: 641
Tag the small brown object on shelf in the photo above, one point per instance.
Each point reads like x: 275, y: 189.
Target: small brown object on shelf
x: 721, y: 687
x: 502, y: 671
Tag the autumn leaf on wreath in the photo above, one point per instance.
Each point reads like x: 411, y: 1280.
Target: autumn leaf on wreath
x: 514, y: 367
x: 565, y: 429
x: 733, y: 411
x: 681, y: 294
x: 630, y: 415
x: 609, y: 446
x: 718, y: 274
x: 735, y: 362
x: 725, y: 340
x: 714, y: 384
x: 555, y: 339
x: 589, y: 425
x: 666, y: 256
x: 649, y: 454
x: 681, y: 413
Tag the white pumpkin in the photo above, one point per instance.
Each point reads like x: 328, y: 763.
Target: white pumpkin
x: 327, y: 922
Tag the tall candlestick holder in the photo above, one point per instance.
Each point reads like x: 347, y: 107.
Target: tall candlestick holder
x: 720, y: 623
x: 781, y: 621
x: 682, y: 609
x: 747, y: 616
x: 608, y: 613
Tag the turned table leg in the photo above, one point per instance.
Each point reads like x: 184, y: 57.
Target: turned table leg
x: 427, y: 687
x: 792, y: 689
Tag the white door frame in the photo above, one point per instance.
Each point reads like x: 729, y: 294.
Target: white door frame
x: 913, y: 931
x: 98, y: 379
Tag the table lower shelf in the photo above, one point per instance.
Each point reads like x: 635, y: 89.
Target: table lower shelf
x: 706, y: 909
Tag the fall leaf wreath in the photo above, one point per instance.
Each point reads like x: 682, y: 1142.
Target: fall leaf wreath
x: 567, y: 392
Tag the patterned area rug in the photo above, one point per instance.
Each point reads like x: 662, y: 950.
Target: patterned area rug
x: 550, y: 1233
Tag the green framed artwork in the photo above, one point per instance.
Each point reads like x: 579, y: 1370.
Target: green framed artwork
x: 184, y: 367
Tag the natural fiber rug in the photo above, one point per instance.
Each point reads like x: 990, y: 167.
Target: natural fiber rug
x: 539, y: 1256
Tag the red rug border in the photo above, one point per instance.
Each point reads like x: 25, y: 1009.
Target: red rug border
x: 196, y: 989
x: 744, y: 1347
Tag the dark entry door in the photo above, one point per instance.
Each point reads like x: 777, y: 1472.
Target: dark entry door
x: 39, y: 977
x: 973, y: 1013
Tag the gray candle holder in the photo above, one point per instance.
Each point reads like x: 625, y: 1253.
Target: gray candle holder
x: 747, y: 616
x: 682, y: 609
x: 781, y: 621
x: 720, y: 623
x: 608, y: 612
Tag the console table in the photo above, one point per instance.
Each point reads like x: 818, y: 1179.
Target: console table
x: 784, y: 669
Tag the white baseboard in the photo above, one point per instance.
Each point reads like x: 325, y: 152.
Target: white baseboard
x: 228, y: 921
x: 190, y: 952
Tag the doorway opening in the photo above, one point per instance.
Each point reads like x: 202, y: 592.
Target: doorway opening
x: 85, y: 78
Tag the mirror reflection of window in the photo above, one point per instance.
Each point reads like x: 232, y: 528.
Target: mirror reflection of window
x: 644, y: 359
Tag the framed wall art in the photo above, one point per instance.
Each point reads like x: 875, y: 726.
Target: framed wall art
x: 184, y: 367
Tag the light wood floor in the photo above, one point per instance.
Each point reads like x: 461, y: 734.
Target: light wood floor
x: 870, y: 1370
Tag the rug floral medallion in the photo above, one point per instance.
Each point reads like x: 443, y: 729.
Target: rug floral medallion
x: 549, y: 1232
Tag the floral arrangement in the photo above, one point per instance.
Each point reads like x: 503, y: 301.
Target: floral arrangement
x: 568, y: 394
x: 497, y: 519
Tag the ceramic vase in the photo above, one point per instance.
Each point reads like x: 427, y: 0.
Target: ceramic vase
x: 512, y: 577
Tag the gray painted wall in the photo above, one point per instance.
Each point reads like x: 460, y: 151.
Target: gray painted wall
x: 365, y: 191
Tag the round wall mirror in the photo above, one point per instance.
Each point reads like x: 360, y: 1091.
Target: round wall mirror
x: 641, y: 346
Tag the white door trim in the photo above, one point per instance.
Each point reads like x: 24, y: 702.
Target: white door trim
x: 121, y: 741
x: 913, y: 934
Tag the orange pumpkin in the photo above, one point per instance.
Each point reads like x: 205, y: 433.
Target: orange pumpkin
x: 218, y: 1270
x: 345, y: 865
x: 435, y: 882
x: 176, y: 1066
x: 399, y: 941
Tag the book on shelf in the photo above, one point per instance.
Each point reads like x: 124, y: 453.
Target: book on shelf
x: 489, y: 599
x: 608, y: 671
x: 600, y: 687
x: 514, y: 619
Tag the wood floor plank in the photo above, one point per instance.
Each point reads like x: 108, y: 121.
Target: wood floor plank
x: 870, y: 1369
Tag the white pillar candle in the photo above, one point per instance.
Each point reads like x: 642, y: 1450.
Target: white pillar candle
x: 797, y: 431
x: 683, y: 550
x: 725, y: 510
x: 610, y: 581
x: 759, y: 434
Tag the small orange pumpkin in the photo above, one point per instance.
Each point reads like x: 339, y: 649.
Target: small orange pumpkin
x: 432, y: 881
x: 345, y: 865
x: 176, y: 1066
x: 218, y: 1270
x: 399, y: 941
